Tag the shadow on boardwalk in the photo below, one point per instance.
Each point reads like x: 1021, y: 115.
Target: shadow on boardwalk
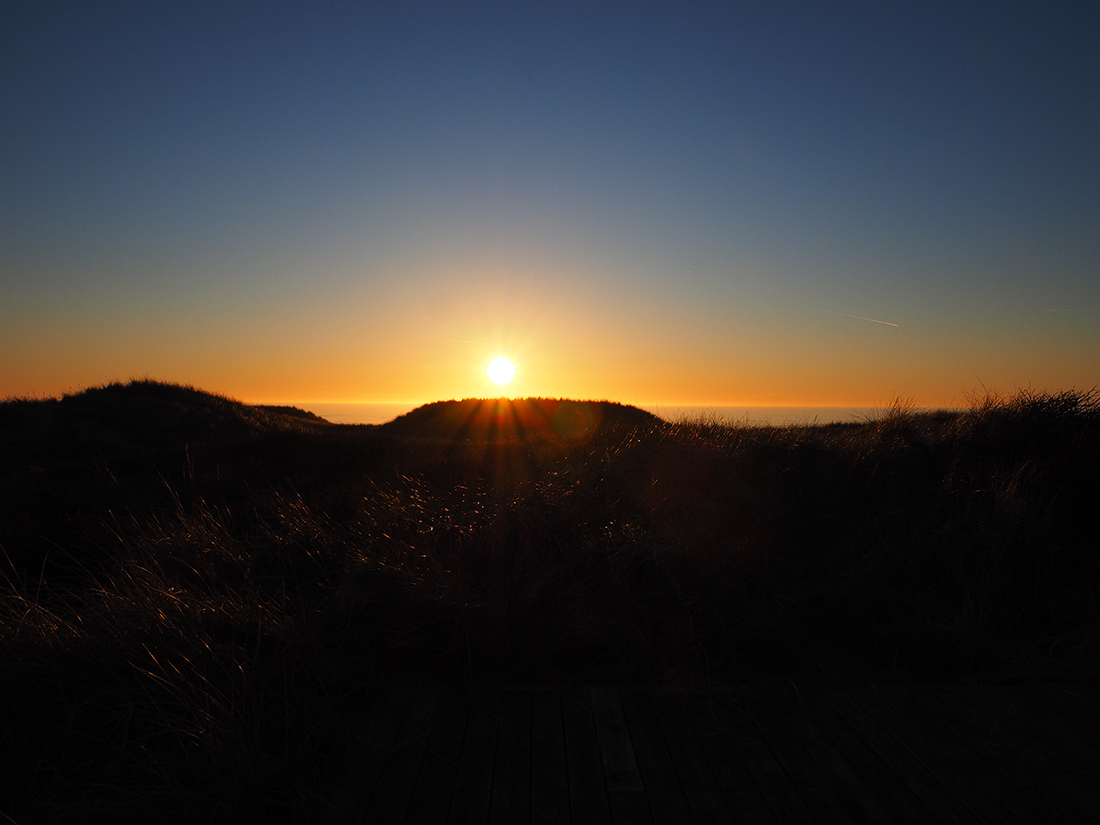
x: 771, y: 752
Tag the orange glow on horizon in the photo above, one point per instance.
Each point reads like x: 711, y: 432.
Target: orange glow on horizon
x: 563, y: 349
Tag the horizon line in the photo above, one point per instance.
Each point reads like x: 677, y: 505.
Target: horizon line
x: 643, y: 404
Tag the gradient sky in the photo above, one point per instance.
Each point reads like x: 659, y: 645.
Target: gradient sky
x: 675, y: 203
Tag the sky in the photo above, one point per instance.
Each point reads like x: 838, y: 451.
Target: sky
x: 729, y: 203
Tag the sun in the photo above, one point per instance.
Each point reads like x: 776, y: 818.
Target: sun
x: 501, y: 371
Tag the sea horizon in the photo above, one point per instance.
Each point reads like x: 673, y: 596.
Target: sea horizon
x: 381, y: 413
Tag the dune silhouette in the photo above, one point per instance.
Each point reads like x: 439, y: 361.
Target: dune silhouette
x: 492, y: 419
x: 135, y: 417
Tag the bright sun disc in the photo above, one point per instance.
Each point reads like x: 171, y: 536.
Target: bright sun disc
x: 501, y: 371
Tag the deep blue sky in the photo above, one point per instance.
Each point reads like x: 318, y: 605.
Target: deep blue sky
x: 682, y: 202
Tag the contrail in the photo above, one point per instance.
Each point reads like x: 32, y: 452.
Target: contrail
x: 862, y: 318
x: 459, y: 341
x: 1069, y: 310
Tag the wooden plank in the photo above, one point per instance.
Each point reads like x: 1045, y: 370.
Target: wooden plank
x: 727, y: 726
x: 723, y: 754
x: 390, y: 801
x: 629, y: 808
x: 1000, y: 721
x: 704, y: 796
x: 857, y: 794
x: 1062, y: 739
x: 549, y: 806
x: 475, y: 767
x: 666, y: 798
x: 588, y: 801
x: 467, y: 808
x: 1077, y: 703
x: 894, y: 793
x: 936, y: 797
x: 953, y: 775
x: 511, y: 799
x: 353, y: 794
x: 878, y: 755
x: 431, y: 797
x: 950, y: 714
x: 620, y: 769
x: 977, y: 763
x: 792, y: 759
x: 548, y: 771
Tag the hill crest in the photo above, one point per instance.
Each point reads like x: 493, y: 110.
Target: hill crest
x: 138, y: 416
x: 495, y: 419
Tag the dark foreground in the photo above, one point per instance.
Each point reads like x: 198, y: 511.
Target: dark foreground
x: 766, y: 753
x: 205, y: 606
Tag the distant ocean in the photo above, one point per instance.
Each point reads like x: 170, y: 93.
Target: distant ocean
x: 381, y: 413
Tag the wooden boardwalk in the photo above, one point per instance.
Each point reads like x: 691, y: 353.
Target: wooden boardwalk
x: 772, y: 753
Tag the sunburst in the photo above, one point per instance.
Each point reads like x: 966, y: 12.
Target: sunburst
x: 501, y: 371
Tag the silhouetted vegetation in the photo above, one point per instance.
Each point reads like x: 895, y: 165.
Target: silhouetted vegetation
x: 205, y: 605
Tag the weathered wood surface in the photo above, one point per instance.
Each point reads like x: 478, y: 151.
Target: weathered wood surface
x: 768, y: 753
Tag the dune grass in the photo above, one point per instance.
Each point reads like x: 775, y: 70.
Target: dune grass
x: 204, y: 606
